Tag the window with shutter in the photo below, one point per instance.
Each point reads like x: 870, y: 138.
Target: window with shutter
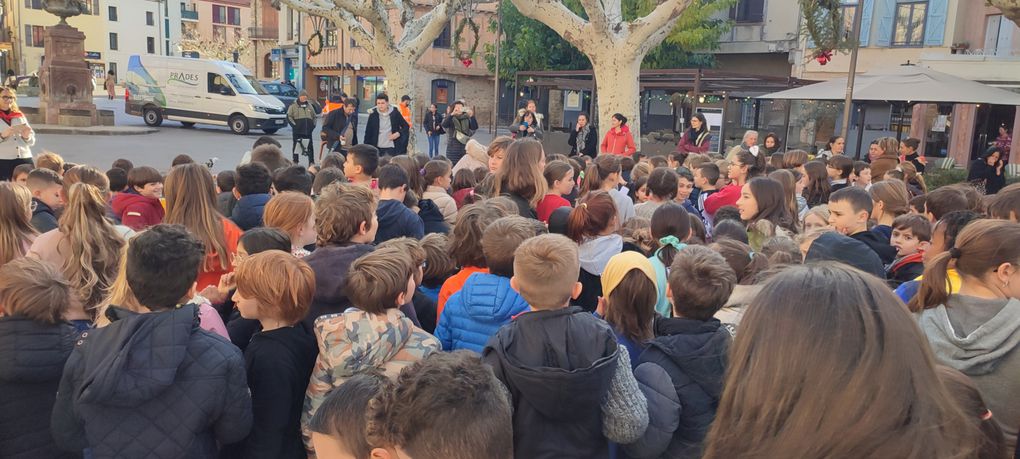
x: 748, y: 11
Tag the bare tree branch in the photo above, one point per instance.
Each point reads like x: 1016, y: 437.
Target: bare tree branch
x: 659, y: 22
x: 596, y: 12
x: 558, y: 17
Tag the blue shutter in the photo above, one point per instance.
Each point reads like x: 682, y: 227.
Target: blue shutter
x: 935, y: 28
x: 885, y: 11
x: 869, y: 5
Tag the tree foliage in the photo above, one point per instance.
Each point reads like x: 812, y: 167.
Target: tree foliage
x: 530, y: 45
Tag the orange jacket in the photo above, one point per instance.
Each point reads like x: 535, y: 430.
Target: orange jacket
x: 453, y: 285
x: 405, y: 111
x: 231, y: 233
x: 621, y: 143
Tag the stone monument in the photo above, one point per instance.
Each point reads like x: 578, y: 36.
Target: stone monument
x: 65, y: 81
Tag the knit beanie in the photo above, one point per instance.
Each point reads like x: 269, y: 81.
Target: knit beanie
x: 621, y: 264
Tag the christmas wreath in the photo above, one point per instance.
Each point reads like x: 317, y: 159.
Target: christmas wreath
x: 317, y: 48
x: 465, y: 56
x: 825, y: 25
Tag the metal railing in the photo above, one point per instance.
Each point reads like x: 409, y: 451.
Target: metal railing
x: 189, y: 12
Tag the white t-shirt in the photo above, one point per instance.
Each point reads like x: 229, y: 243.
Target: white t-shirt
x: 385, y: 129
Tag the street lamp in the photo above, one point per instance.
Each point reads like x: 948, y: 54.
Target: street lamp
x: 849, y: 101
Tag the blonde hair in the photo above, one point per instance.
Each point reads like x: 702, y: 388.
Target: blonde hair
x: 281, y: 283
x: 191, y: 202
x: 120, y: 294
x: 89, y: 175
x: 94, y: 245
x: 521, y: 172
x: 889, y: 146
x: 545, y: 270
x: 376, y: 280
x: 340, y: 210
x: 288, y: 211
x: 16, y: 232
x: 33, y: 289
x: 640, y: 170
x: 51, y: 161
x: 13, y: 93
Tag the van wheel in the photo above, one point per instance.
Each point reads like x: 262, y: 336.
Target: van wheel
x: 152, y: 116
x: 239, y: 124
x: 270, y: 131
x: 187, y: 124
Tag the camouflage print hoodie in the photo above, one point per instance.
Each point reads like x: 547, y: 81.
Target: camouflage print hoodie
x: 355, y: 342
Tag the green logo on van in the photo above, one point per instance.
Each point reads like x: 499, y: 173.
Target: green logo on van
x: 189, y: 79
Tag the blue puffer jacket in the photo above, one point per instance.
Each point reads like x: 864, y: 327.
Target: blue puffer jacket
x: 248, y: 210
x: 475, y: 313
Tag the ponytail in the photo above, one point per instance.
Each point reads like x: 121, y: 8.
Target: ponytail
x: 94, y: 244
x: 671, y: 228
x: 591, y: 217
x: 935, y: 285
x: 598, y: 171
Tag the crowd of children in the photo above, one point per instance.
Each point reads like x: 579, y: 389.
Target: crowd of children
x: 534, y: 306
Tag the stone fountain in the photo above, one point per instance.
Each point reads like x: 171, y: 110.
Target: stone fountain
x: 65, y: 81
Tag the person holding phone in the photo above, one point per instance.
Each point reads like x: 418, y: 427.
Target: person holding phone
x: 460, y: 124
x: 16, y: 136
x: 986, y: 172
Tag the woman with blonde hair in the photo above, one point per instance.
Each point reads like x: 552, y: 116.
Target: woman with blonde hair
x: 522, y: 176
x: 16, y: 232
x: 85, y: 247
x: 16, y: 136
x: 294, y: 214
x: 191, y: 202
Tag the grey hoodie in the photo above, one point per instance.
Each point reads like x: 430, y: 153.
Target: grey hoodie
x: 978, y: 337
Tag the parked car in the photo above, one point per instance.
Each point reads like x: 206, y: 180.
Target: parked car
x: 286, y: 92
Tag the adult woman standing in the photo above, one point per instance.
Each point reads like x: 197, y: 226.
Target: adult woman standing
x: 619, y: 140
x: 772, y: 143
x: 974, y: 329
x: 191, y: 201
x: 16, y: 232
x: 887, y: 160
x: 1004, y: 141
x: 111, y: 84
x: 528, y: 127
x: 584, y: 139
x: 835, y: 146
x: 695, y: 139
x: 16, y: 136
x: 433, y: 127
x: 460, y: 124
x: 986, y: 172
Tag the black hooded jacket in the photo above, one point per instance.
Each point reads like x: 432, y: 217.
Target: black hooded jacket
x: 558, y: 365
x: 152, y: 385
x: 693, y: 354
x: 32, y: 357
x: 833, y: 246
x: 885, y: 252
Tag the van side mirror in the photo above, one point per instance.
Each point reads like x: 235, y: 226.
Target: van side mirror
x: 225, y: 91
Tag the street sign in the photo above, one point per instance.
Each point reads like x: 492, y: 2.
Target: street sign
x: 93, y: 55
x: 275, y: 55
x: 190, y: 54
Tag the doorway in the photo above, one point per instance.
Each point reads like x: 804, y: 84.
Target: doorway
x: 989, y: 119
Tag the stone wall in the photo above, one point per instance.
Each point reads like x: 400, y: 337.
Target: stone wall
x: 475, y: 90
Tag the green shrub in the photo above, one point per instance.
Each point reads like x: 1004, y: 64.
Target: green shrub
x: 942, y: 177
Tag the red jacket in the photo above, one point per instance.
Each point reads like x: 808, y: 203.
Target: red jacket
x: 689, y: 145
x: 727, y: 196
x: 548, y: 204
x: 136, y: 211
x: 621, y: 143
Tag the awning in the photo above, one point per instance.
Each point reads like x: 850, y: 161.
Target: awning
x: 906, y: 83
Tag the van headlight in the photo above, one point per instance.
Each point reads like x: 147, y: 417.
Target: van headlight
x: 260, y: 108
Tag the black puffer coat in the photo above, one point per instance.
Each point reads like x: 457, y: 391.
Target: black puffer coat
x: 32, y: 357
x: 152, y: 386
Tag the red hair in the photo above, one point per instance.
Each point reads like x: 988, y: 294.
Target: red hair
x: 593, y: 214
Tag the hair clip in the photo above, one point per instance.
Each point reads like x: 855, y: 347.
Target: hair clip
x: 751, y: 255
x: 954, y: 253
x: 987, y: 415
x: 584, y: 205
x: 422, y: 171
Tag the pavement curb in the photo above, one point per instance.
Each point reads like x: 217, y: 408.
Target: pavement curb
x: 63, y: 130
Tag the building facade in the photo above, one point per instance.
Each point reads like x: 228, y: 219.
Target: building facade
x: 960, y: 37
x: 217, y: 29
x: 137, y: 27
x: 344, y: 67
x: 29, y: 25
x: 763, y: 40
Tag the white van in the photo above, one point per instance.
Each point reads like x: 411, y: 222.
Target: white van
x: 200, y: 91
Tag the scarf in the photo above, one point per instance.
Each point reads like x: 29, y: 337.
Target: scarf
x: 460, y: 123
x: 697, y: 137
x: 8, y: 116
x: 582, y: 135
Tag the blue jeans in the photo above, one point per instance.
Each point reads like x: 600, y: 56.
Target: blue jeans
x: 433, y: 145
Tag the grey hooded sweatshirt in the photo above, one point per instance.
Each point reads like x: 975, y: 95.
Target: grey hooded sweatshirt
x: 978, y: 337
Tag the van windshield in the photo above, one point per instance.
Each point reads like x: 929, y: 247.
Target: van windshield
x: 240, y: 84
x: 259, y: 88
